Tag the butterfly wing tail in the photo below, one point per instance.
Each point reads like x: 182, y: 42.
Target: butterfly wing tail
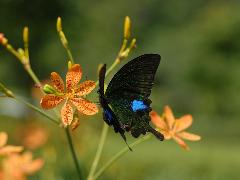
x: 125, y: 140
x: 156, y: 134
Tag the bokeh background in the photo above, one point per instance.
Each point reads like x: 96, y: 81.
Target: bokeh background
x: 199, y: 42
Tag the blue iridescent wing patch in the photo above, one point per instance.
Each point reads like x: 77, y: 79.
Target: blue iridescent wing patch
x: 126, y: 103
x: 137, y: 105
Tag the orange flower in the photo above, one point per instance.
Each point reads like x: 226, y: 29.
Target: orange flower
x: 18, y: 166
x: 7, y: 149
x: 72, y: 95
x: 34, y: 136
x: 173, y: 128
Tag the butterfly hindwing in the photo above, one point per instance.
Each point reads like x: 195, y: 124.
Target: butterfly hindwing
x: 128, y: 93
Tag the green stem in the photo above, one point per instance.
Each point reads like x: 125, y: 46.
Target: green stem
x: 99, y: 151
x: 116, y: 62
x: 119, y: 155
x: 74, y: 156
x: 105, y: 126
x: 33, y: 75
x: 70, y: 55
x: 36, y: 109
x: 103, y: 134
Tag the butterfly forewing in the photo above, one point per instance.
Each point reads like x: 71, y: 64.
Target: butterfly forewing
x: 135, y: 78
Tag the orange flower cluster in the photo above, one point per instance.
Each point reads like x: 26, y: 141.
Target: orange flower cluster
x: 173, y: 128
x: 7, y: 149
x: 16, y: 165
x: 72, y: 95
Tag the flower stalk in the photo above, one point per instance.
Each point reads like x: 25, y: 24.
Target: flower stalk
x: 119, y: 155
x: 98, y: 152
x: 122, y: 54
x: 73, y: 153
x: 63, y: 39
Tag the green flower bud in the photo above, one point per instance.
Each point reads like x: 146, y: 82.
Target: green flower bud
x: 49, y: 89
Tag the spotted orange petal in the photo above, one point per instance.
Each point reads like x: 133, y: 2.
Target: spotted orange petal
x: 57, y: 81
x: 85, y: 106
x: 3, y: 138
x: 67, y: 114
x: 73, y: 76
x: 50, y: 101
x: 189, y: 136
x: 181, y: 142
x: 169, y: 117
x: 6, y: 150
x: 85, y: 88
x: 157, y: 120
x: 183, y: 123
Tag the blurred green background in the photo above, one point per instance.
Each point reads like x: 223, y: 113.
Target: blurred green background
x: 199, y: 42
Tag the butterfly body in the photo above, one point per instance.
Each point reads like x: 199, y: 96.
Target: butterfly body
x: 126, y: 103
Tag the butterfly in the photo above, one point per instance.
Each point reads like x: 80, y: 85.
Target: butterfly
x: 126, y: 103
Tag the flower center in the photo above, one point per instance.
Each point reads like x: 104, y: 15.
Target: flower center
x: 70, y: 94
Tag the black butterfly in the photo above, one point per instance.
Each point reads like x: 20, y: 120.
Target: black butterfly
x: 125, y: 103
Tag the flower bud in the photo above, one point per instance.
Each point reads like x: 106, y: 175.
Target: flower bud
x: 59, y: 24
x: 127, y: 27
x: 25, y: 35
x: 63, y: 39
x: 133, y: 44
x: 6, y: 91
x: 69, y: 64
x: 3, y: 40
x: 49, y: 89
x: 1, y: 37
x: 21, y: 51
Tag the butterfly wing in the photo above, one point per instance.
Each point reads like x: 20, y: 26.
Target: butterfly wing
x: 108, y: 115
x: 128, y: 93
x: 136, y: 77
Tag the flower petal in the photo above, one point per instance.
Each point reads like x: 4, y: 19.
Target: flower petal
x: 67, y: 114
x: 3, y: 139
x: 7, y: 150
x: 57, y: 81
x: 183, y: 123
x: 85, y: 88
x: 189, y: 136
x: 73, y: 76
x: 166, y: 134
x: 50, y: 101
x: 157, y: 120
x: 168, y: 114
x: 85, y: 106
x: 33, y: 166
x: 181, y: 142
x: 75, y: 124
